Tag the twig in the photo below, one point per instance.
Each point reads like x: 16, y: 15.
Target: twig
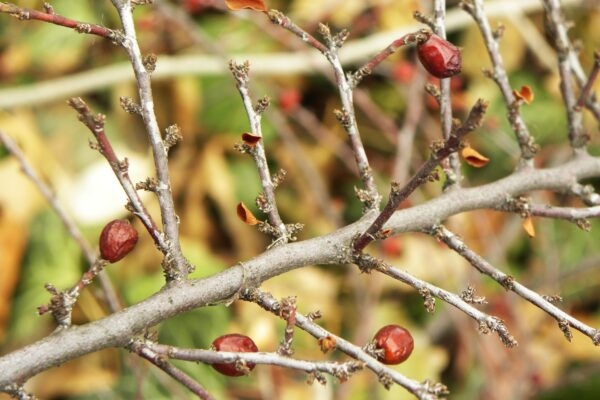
x: 485, y: 322
x: 17, y: 391
x: 158, y: 360
x: 585, y: 91
x: 558, y: 31
x: 49, y: 16
x: 266, y: 200
x: 421, y: 390
x: 526, y: 141
x: 408, y: 39
x: 370, y: 197
x: 452, y: 169
x: 276, y: 64
x: 109, y: 291
x: 175, y: 265
x: 95, y: 123
x: 440, y: 151
x: 340, y: 370
x: 509, y: 283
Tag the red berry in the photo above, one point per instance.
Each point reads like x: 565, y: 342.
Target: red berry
x: 439, y: 57
x: 396, y: 342
x: 233, y: 342
x: 289, y: 99
x: 117, y: 239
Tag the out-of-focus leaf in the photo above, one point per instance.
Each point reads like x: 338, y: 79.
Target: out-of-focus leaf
x: 473, y: 157
x: 256, y: 5
x: 528, y: 227
x: 525, y: 94
x: 245, y: 214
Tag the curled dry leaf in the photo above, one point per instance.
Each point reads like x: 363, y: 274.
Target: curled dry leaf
x: 327, y: 343
x: 528, y: 226
x: 250, y: 139
x: 473, y: 157
x: 256, y: 5
x: 525, y: 94
x: 246, y: 215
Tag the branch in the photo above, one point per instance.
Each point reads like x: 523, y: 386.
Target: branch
x: 421, y: 390
x: 509, y: 283
x: 526, y: 141
x: 440, y: 151
x: 452, y: 169
x: 274, y: 64
x: 49, y: 16
x: 370, y: 197
x: 177, y: 266
x: 340, y: 370
x: 558, y: 32
x: 95, y: 123
x: 90, y: 255
x: 158, y: 360
x: 266, y: 202
x: 485, y: 322
x: 114, y: 330
x: 584, y: 97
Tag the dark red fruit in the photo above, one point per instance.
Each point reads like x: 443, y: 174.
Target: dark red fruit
x: 396, y: 342
x: 233, y: 342
x: 439, y: 57
x: 117, y: 239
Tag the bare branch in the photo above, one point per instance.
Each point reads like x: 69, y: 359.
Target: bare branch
x: 268, y: 204
x: 440, y: 151
x: 421, y: 390
x: 49, y: 16
x: 157, y: 359
x: 340, y: 370
x: 526, y: 141
x: 485, y: 322
x: 452, y: 165
x: 177, y: 266
x: 90, y: 255
x: 558, y: 31
x: 509, y: 283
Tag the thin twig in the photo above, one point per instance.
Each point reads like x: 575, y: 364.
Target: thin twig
x: 340, y: 370
x: 452, y: 169
x: 370, y: 197
x: 485, y: 322
x: 509, y: 283
x: 95, y: 123
x: 423, y: 390
x: 526, y: 141
x: 109, y: 291
x: 180, y: 376
x: 420, y: 36
x: 585, y: 91
x: 558, y: 32
x: 49, y: 16
x: 266, y: 201
x: 175, y: 265
x: 440, y: 151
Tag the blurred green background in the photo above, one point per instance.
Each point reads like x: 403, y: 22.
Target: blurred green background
x: 302, y: 136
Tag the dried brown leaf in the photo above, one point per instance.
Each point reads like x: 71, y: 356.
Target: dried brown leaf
x: 250, y: 139
x: 528, y: 226
x: 246, y: 215
x: 473, y: 157
x: 525, y: 94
